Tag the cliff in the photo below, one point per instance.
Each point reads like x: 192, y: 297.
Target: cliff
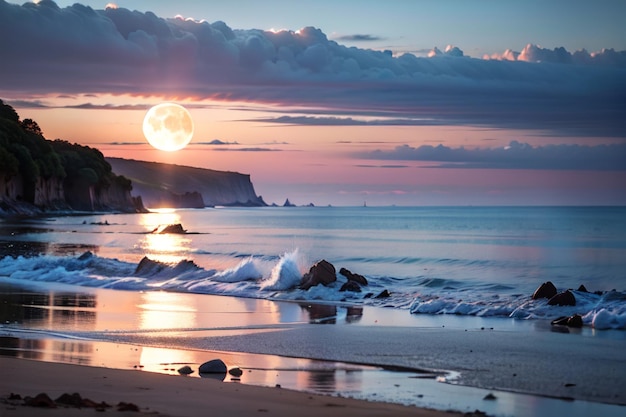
x: 167, y: 185
x: 38, y: 175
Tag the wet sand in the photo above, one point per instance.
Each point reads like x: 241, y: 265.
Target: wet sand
x: 562, y: 371
x: 165, y: 395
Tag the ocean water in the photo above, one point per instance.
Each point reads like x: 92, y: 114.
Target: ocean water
x: 473, y: 261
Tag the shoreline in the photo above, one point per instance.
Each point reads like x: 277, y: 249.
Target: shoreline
x: 289, y: 343
x: 175, y: 396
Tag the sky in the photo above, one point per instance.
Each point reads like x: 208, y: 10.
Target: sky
x: 342, y: 102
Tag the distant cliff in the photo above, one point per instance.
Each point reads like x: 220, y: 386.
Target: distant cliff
x: 167, y: 185
x: 38, y: 175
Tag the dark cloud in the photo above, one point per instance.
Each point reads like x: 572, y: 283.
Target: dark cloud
x: 345, y: 121
x: 78, y: 50
x: 515, y: 156
x: 359, y: 38
x: 257, y: 149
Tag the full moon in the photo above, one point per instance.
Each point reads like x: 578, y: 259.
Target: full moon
x: 168, y: 127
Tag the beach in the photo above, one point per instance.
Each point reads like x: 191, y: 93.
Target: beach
x: 164, y: 395
x: 454, y: 328
x: 374, y: 355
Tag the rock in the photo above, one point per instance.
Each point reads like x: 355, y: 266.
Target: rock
x: 85, y: 256
x: 323, y: 272
x: 122, y: 406
x: 582, y: 288
x: 383, y: 294
x: 573, y: 321
x: 236, y: 372
x: 490, y: 397
x: 352, y: 286
x: 545, y: 290
x: 565, y: 298
x: 185, y: 370
x: 215, y: 366
x: 170, y: 229
x: 360, y: 279
x: 41, y: 400
x: 149, y: 267
x: 74, y: 400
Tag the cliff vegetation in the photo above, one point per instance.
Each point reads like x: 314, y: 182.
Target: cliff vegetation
x: 38, y: 175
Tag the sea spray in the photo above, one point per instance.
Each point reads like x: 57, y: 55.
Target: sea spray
x: 286, y: 274
x: 246, y: 270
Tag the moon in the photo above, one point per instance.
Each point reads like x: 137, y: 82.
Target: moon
x: 168, y: 127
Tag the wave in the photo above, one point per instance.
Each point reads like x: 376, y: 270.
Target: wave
x: 278, y: 278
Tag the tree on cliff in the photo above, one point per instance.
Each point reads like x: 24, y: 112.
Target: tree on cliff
x: 24, y: 152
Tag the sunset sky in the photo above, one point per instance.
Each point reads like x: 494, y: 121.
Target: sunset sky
x: 341, y: 102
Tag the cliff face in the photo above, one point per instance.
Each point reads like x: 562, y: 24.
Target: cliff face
x: 166, y: 185
x: 56, y: 194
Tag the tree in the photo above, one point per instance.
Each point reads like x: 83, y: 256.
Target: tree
x: 31, y: 126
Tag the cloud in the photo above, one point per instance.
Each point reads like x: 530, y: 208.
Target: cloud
x: 359, y: 38
x: 78, y: 50
x: 537, y: 54
x: 344, y: 121
x: 514, y: 156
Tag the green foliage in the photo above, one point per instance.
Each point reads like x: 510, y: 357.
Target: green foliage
x: 24, y: 151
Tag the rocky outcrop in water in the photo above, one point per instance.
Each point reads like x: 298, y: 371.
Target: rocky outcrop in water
x: 322, y: 272
x: 167, y: 185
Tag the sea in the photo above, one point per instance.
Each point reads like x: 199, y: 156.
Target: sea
x: 464, y: 261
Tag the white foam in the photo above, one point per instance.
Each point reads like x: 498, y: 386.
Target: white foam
x: 286, y: 274
x: 246, y: 270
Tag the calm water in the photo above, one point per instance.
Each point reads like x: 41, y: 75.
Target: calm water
x: 468, y: 261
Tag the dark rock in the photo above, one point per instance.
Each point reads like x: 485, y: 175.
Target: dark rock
x: 490, y: 397
x: 185, y: 370
x: 41, y: 400
x: 122, y: 406
x: 575, y: 321
x: 383, y: 294
x: 149, y: 267
x: 561, y: 321
x: 360, y: 279
x: 323, y: 272
x: 352, y: 286
x: 582, y: 288
x: 74, y: 400
x: 215, y: 366
x: 288, y: 203
x: 85, y: 256
x: 236, y: 372
x: 545, y: 290
x: 565, y: 298
x: 170, y: 229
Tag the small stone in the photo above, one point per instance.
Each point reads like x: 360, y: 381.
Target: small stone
x: 215, y: 366
x: 185, y: 370
x: 237, y: 372
x: 41, y: 400
x: 490, y: 397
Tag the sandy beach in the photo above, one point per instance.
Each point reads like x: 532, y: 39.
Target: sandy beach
x: 372, y: 354
x: 178, y: 396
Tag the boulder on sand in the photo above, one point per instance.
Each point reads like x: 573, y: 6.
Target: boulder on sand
x: 323, y: 272
x: 545, y: 290
x: 215, y: 366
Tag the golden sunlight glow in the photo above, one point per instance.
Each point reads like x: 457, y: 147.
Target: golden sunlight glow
x: 168, y: 247
x: 168, y: 127
x: 110, y: 6
x: 165, y: 310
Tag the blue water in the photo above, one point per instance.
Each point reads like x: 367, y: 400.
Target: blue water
x: 484, y: 261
